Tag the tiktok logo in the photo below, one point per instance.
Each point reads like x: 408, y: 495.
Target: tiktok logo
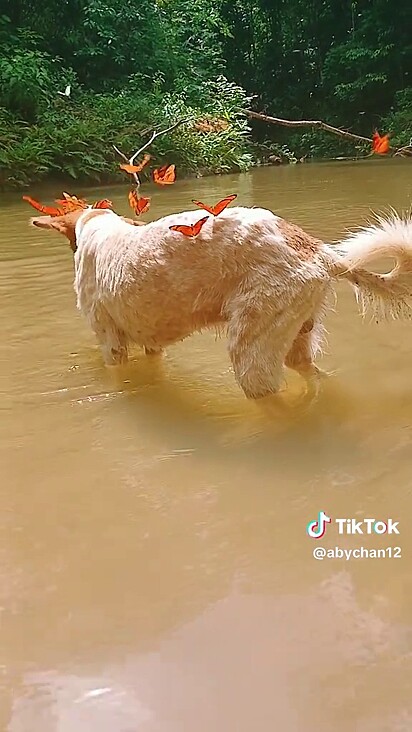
x: 317, y: 529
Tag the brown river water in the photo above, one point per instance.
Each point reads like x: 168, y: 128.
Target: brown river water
x: 155, y: 571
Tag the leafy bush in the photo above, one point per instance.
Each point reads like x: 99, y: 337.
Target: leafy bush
x: 399, y: 120
x: 75, y: 138
x: 29, y: 78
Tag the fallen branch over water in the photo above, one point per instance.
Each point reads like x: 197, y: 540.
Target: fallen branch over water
x: 404, y: 152
x: 318, y: 124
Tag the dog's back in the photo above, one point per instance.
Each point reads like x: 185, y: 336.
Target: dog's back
x: 159, y: 286
x: 266, y: 280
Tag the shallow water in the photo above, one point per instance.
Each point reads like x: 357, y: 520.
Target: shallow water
x: 155, y: 570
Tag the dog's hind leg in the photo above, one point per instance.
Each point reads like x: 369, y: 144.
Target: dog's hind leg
x: 257, y: 349
x: 301, y: 355
x: 153, y: 351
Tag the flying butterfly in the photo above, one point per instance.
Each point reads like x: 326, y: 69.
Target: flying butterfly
x: 139, y: 204
x: 104, y: 203
x: 71, y: 203
x: 72, y: 199
x: 66, y: 92
x: 380, y: 144
x: 165, y: 176
x: 190, y: 230
x: 218, y: 207
x: 128, y: 168
x: 48, y: 210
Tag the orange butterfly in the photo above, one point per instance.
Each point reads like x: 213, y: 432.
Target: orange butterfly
x: 48, y: 210
x: 380, y: 145
x: 165, y: 176
x: 71, y: 202
x: 104, y: 203
x: 219, y: 207
x: 191, y: 230
x: 139, y: 204
x: 135, y: 168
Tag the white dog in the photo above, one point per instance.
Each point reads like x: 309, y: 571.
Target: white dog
x: 262, y: 279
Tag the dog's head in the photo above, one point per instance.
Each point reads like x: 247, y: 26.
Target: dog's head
x: 67, y: 223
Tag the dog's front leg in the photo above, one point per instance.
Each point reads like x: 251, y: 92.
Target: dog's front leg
x: 113, y: 350
x: 112, y: 341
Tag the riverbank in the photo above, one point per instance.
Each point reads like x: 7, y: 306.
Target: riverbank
x: 77, y: 147
x: 73, y: 139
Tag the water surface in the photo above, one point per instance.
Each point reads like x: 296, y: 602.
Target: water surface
x: 155, y: 571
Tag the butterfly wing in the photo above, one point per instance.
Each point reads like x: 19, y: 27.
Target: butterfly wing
x: 48, y: 210
x: 182, y: 229
x: 144, y: 162
x: 69, y: 206
x: 383, y: 147
x: 198, y: 225
x: 104, y: 203
x: 71, y: 203
x: 143, y: 205
x: 158, y: 174
x: 138, y: 204
x: 375, y: 141
x: 74, y: 199
x: 170, y: 175
x: 128, y: 168
x: 203, y: 205
x: 135, y: 168
x: 133, y: 199
x: 219, y: 207
x: 191, y: 231
x: 165, y: 176
x: 380, y: 144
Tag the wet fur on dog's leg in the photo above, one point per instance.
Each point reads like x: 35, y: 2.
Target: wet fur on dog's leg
x: 112, y: 341
x: 259, y: 340
x: 307, y: 344
x: 153, y: 351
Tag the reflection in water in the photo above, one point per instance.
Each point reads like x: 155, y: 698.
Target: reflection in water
x: 155, y: 572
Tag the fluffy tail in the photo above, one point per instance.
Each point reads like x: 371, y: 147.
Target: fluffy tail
x: 386, y: 295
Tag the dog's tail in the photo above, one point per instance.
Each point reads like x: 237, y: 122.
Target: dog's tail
x: 386, y: 295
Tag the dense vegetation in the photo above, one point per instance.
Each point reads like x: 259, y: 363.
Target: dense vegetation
x: 132, y: 65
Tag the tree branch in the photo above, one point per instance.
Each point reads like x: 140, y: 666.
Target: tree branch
x: 122, y: 155
x: 154, y: 136
x: 147, y: 144
x: 404, y: 152
x: 306, y: 123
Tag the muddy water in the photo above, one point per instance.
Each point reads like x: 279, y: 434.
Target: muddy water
x: 155, y: 571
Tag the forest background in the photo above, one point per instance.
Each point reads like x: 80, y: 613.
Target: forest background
x: 134, y: 65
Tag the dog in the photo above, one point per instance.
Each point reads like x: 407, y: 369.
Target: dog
x: 262, y: 280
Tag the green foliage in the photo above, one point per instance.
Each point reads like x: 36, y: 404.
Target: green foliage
x: 399, y: 120
x: 318, y: 144
x: 221, y: 151
x: 132, y: 65
x: 75, y: 140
